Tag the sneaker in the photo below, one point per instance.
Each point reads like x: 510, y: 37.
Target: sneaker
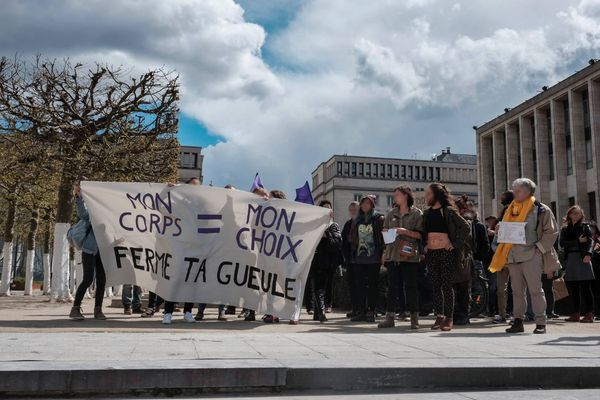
x: 199, y: 316
x: 127, y: 310
x: 539, y: 329
x: 499, y: 320
x: 137, y: 310
x: 294, y: 322
x: 328, y: 310
x: 439, y: 320
x: 250, y: 317
x: 76, y: 314
x: 149, y: 312
x: 269, y: 319
x: 167, y: 319
x: 587, y: 318
x: 98, y: 314
x: 244, y: 313
x: 188, y: 317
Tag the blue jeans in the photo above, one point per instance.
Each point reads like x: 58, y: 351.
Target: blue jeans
x: 131, y: 296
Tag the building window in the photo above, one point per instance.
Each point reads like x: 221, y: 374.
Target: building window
x: 188, y: 160
x: 568, y: 143
x: 571, y: 201
x: 592, y: 202
x: 437, y: 173
x: 417, y: 173
x: 361, y: 169
x: 587, y: 129
x: 403, y: 176
x: 357, y: 196
x: 353, y: 169
x: 315, y: 181
x: 430, y: 173
x: 375, y: 170
x: 396, y: 171
x: 339, y: 168
x: 382, y: 170
x: 553, y: 207
x: 346, y: 168
x: 535, y: 166
x: 410, y: 172
x: 368, y: 169
x: 389, y: 171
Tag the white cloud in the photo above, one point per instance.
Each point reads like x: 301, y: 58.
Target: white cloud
x: 377, y: 78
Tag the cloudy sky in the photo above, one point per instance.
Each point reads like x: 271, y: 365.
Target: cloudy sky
x: 277, y: 86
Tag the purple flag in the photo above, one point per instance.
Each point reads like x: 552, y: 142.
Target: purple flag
x: 257, y: 183
x: 303, y: 195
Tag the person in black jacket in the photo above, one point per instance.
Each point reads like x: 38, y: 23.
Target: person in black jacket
x: 327, y: 257
x: 576, y: 241
x: 479, y: 248
x: 348, y: 265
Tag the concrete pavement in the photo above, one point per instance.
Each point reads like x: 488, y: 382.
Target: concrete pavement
x: 44, y: 352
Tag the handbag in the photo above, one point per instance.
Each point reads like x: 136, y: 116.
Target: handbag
x: 559, y: 287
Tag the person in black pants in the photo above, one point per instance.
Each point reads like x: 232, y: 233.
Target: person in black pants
x: 367, y: 250
x: 170, y: 307
x: 92, y: 265
x: 154, y: 302
x: 347, y: 253
x: 327, y: 257
x: 403, y: 257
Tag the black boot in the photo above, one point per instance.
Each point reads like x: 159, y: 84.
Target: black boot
x: 517, y: 326
x: 540, y: 329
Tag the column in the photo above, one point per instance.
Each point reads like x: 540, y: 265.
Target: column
x: 512, y: 152
x: 527, y: 147
x: 595, y: 123
x: 578, y: 139
x: 541, y: 143
x: 560, y: 156
x: 486, y: 184
x: 499, y: 149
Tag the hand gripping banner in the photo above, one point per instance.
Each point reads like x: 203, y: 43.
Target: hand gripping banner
x: 203, y: 244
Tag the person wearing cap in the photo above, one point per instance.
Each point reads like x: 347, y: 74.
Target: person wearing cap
x: 367, y: 250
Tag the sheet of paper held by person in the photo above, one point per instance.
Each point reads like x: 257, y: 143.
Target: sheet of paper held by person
x: 389, y: 236
x: 512, y: 232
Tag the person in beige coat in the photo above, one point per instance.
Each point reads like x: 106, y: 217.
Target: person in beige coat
x: 526, y: 262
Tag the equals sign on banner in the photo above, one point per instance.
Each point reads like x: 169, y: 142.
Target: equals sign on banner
x: 209, y: 217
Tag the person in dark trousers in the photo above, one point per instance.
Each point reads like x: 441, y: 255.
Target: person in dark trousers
x: 170, y: 307
x: 132, y: 299
x: 154, y: 303
x: 596, y: 265
x: 403, y: 257
x: 348, y: 265
x: 503, y: 289
x: 92, y: 266
x: 472, y: 261
x: 576, y: 241
x: 367, y: 251
x: 491, y: 222
x: 328, y: 256
x: 448, y: 236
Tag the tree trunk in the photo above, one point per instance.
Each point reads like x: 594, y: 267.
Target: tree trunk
x: 46, y: 253
x: 8, y: 248
x: 60, y: 253
x: 33, y: 227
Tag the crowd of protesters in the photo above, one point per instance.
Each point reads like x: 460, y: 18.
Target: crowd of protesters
x: 424, y: 260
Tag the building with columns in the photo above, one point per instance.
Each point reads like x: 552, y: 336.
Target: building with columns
x: 344, y: 178
x: 552, y: 138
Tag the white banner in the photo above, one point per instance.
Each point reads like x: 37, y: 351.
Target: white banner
x: 191, y: 243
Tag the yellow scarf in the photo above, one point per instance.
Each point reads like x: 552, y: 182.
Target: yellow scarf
x: 516, y: 212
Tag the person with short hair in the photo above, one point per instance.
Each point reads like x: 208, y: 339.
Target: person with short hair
x: 578, y: 245
x: 526, y: 261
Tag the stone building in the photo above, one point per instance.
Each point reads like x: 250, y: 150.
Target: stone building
x: 552, y: 138
x: 190, y: 163
x: 344, y: 178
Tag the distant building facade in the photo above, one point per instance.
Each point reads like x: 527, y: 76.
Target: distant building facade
x: 344, y: 178
x: 552, y: 138
x: 190, y: 163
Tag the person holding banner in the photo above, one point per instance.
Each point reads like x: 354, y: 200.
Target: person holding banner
x: 92, y: 266
x: 530, y: 231
x: 327, y: 257
x: 367, y: 251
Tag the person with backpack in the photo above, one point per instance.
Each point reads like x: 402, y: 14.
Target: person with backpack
x: 525, y: 261
x: 92, y: 263
x: 448, y: 237
x: 578, y: 245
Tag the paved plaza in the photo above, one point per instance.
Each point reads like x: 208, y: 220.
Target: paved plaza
x: 36, y: 336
